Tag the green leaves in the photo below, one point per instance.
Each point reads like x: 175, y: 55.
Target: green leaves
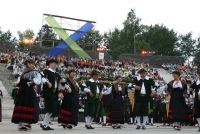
x: 7, y: 36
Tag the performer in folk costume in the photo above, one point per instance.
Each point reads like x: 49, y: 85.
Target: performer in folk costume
x: 196, y: 86
x: 50, y: 80
x: 1, y: 96
x: 68, y: 115
x: 143, y: 95
x: 131, y: 96
x: 92, y: 103
x: 106, y: 98
x: 26, y: 110
x: 178, y: 111
x: 116, y: 115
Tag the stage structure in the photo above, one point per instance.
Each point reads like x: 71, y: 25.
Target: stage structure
x: 64, y: 30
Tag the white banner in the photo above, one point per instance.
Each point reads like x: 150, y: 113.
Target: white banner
x: 101, y: 56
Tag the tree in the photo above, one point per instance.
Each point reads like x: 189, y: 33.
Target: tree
x: 7, y: 36
x: 197, y: 53
x: 162, y: 40
x: 48, y: 35
x: 186, y: 46
x: 130, y: 30
x: 28, y: 35
x: 90, y: 40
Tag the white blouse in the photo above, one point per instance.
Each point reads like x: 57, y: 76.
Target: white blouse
x: 177, y: 84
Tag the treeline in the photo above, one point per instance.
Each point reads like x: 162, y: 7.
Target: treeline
x: 131, y: 39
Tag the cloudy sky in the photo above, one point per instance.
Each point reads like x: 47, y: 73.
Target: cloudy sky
x: 181, y: 15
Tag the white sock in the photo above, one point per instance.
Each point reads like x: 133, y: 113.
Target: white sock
x: 131, y: 119
x: 152, y: 120
x: 20, y: 125
x: 104, y: 119
x: 91, y: 120
x: 138, y: 120
x: 23, y: 123
x: 118, y: 125
x: 135, y: 120
x: 145, y: 118
x: 100, y: 119
x: 88, y: 121
x: 47, y: 119
x: 85, y: 120
x: 198, y: 120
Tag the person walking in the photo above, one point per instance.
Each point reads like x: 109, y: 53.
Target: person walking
x: 26, y: 110
x: 68, y: 115
x: 143, y: 95
x: 51, y: 80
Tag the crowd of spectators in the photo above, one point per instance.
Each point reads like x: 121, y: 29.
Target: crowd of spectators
x: 108, y: 69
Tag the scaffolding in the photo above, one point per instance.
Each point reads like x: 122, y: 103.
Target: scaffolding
x: 70, y: 25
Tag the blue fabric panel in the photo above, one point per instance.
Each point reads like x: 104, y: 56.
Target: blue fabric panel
x: 75, y: 36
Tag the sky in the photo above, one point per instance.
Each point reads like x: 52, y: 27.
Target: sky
x: 180, y: 15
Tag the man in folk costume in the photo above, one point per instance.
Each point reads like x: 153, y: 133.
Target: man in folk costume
x: 131, y: 96
x: 106, y: 98
x: 92, y: 103
x: 50, y: 80
x: 196, y: 86
x: 178, y: 110
x: 68, y: 115
x: 143, y: 95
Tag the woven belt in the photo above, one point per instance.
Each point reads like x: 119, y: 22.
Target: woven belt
x: 142, y: 94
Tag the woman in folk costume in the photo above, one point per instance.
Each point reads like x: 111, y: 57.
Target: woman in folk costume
x: 68, y: 115
x: 178, y: 111
x: 106, y: 99
x: 196, y: 86
x: 26, y: 110
x: 1, y: 96
x: 116, y: 116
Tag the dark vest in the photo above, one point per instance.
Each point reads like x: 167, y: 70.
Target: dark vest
x: 52, y: 77
x: 93, y: 89
x: 148, y: 84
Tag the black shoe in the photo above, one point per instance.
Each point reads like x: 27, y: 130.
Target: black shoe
x: 89, y: 127
x: 147, y: 123
x: 23, y: 129
x: 131, y: 123
x: 85, y: 126
x: 143, y: 127
x: 41, y: 125
x: 151, y: 124
x: 69, y: 126
x: 138, y: 127
x: 49, y: 128
x: 44, y: 128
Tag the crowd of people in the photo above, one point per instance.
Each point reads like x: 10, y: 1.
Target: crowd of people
x: 109, y: 92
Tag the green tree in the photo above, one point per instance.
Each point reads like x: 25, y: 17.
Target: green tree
x: 197, y: 53
x: 7, y: 36
x: 130, y: 30
x: 162, y: 40
x: 90, y: 40
x: 186, y: 46
x: 23, y: 36
x: 48, y: 36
